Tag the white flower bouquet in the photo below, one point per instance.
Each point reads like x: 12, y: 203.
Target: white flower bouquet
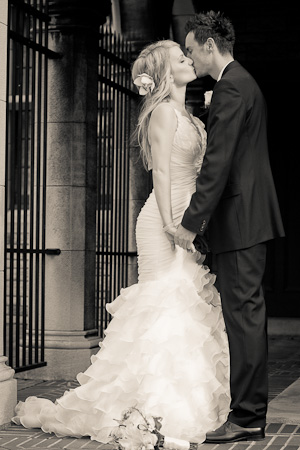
x: 136, y: 431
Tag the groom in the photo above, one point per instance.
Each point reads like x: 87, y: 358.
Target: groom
x: 235, y: 196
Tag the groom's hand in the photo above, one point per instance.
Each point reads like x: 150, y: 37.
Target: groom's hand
x: 184, y: 238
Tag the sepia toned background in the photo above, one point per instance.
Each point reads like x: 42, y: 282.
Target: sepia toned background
x: 72, y: 183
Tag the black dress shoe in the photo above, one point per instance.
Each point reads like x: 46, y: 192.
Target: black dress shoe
x: 230, y: 432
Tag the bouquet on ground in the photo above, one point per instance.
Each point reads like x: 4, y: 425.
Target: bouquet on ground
x: 137, y: 431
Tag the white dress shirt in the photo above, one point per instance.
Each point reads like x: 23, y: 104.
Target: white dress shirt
x: 221, y: 73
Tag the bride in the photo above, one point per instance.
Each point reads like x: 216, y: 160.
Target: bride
x: 165, y: 355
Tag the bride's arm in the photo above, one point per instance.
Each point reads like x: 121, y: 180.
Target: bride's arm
x: 161, y: 132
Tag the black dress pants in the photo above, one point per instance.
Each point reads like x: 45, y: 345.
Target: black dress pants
x: 239, y: 280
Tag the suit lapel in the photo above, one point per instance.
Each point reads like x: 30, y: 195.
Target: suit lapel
x: 231, y: 65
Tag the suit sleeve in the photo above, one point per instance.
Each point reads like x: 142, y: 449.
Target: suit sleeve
x: 226, y: 121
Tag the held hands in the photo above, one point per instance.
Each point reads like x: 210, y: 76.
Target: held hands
x: 170, y: 231
x: 184, y: 238
x: 180, y: 236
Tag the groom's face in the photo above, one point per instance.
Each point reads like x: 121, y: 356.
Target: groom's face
x: 199, y: 54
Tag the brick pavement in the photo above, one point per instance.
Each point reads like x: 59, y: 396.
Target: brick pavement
x: 284, y: 369
x: 278, y: 436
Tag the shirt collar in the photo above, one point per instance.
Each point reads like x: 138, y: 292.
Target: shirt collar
x: 221, y: 73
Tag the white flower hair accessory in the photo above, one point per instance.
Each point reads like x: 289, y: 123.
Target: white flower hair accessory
x: 145, y: 83
x: 207, y: 98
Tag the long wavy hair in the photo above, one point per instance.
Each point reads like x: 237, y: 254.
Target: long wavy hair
x: 155, y: 61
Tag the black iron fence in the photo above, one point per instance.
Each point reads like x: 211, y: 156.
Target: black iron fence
x: 114, y: 95
x: 26, y: 155
x: 26, y: 136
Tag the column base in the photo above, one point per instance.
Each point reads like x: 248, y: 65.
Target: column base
x: 67, y: 353
x: 283, y: 326
x: 8, y: 392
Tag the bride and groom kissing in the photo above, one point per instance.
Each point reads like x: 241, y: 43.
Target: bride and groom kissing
x: 179, y: 352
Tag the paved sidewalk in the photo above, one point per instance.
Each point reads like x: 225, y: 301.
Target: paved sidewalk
x: 282, y: 431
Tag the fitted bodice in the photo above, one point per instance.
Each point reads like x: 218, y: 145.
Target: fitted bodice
x: 189, y: 147
x: 155, y: 255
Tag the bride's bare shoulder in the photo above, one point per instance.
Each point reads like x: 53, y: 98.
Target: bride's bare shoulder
x: 164, y: 114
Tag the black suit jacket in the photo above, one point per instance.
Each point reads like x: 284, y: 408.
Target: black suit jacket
x: 235, y: 193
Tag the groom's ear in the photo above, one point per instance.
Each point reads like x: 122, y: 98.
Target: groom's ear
x: 210, y: 44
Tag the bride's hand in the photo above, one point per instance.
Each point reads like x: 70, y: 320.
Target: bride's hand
x: 170, y: 231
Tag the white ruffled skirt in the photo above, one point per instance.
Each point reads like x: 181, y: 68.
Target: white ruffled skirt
x: 165, y: 352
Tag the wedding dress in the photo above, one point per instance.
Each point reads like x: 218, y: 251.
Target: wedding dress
x: 166, y: 350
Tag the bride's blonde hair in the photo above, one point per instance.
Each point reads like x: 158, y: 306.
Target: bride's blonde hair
x: 154, y: 60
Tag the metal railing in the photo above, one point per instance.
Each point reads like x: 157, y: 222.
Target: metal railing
x: 114, y: 96
x: 26, y: 137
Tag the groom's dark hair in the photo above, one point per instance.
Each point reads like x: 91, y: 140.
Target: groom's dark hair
x: 212, y: 25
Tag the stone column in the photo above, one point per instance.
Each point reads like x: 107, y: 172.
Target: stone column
x: 143, y: 21
x: 182, y: 11
x: 141, y: 24
x: 71, y: 329
x: 8, y: 385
